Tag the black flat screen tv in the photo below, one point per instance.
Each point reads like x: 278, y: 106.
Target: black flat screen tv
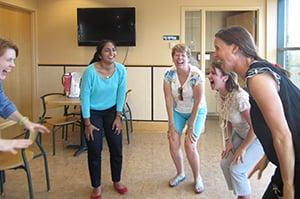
x: 96, y: 24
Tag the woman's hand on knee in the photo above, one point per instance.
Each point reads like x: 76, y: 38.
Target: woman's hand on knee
x: 88, y: 131
x: 171, y: 130
x: 117, y: 125
x: 227, y: 150
x: 190, y: 136
x: 238, y: 156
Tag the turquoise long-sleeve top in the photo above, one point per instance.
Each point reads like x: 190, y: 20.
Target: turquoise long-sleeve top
x: 99, y: 93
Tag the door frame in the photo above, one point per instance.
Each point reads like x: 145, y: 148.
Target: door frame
x: 260, y: 26
x: 33, y: 15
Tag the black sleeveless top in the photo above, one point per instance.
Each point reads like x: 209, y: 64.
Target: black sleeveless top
x: 290, y: 97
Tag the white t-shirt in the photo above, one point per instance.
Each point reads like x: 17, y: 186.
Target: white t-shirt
x: 195, y: 77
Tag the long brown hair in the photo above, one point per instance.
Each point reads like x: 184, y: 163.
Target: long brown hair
x: 239, y: 36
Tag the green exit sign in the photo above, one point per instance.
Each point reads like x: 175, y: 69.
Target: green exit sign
x: 171, y: 37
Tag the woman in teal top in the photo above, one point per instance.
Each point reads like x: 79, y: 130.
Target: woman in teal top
x: 102, y: 98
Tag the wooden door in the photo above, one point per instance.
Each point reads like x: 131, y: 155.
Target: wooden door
x: 247, y: 20
x: 16, y: 25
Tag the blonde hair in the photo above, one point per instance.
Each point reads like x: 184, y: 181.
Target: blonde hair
x: 181, y: 48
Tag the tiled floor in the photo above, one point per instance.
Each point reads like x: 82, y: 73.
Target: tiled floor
x: 146, y: 171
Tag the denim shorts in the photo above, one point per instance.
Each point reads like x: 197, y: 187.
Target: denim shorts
x: 181, y: 119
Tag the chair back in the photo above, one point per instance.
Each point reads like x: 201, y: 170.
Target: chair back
x: 127, y: 93
x: 50, y: 97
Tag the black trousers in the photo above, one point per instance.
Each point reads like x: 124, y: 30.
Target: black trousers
x: 275, y: 188
x: 103, y: 120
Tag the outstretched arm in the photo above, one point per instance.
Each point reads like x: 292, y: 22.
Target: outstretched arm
x: 16, y: 116
x: 12, y: 145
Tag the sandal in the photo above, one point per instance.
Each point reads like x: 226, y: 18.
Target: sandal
x: 176, y: 180
x: 199, y: 186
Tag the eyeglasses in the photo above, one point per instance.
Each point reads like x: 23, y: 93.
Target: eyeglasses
x: 180, y: 93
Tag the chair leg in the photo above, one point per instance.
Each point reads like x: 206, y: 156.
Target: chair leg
x: 127, y: 130
x: 53, y: 140
x: 66, y: 136
x: 1, y: 182
x: 46, y: 171
x: 46, y: 165
x: 130, y: 120
x: 28, y: 173
x: 130, y: 117
x: 63, y: 132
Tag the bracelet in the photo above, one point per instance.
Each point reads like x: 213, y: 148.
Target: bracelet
x: 23, y: 120
x: 88, y: 125
x: 118, y: 114
x: 227, y: 139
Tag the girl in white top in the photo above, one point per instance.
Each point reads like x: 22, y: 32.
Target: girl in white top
x: 242, y: 148
x: 185, y: 102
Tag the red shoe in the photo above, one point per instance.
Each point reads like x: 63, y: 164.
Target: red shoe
x: 123, y: 190
x: 96, y: 197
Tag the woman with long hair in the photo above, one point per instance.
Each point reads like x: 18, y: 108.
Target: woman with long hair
x: 102, y: 99
x: 275, y: 107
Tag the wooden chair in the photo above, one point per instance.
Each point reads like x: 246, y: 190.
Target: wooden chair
x: 57, y: 122
x: 21, y: 161
x: 127, y: 117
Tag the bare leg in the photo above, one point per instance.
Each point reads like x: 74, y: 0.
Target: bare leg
x: 176, y: 152
x: 193, y: 157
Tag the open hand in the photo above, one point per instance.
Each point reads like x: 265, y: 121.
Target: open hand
x: 31, y: 126
x: 117, y: 125
x: 189, y: 135
x: 260, y: 167
x: 12, y: 144
x: 238, y: 156
x: 88, y: 131
x: 228, y: 148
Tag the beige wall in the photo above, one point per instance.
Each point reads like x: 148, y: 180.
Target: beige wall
x: 57, y: 28
x: 56, y: 32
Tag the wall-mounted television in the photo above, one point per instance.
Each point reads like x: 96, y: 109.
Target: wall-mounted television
x: 96, y: 24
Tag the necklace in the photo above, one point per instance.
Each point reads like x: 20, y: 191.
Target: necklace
x: 106, y: 73
x: 224, y: 107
